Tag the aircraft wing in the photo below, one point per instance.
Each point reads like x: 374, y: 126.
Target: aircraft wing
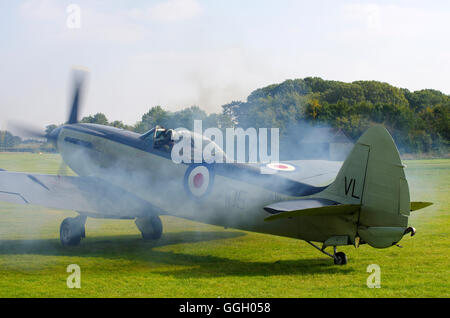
x: 311, y: 172
x: 88, y: 195
x: 314, y: 172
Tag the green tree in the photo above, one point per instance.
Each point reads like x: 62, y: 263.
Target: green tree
x: 49, y: 129
x: 8, y: 140
x: 155, y: 116
x: 98, y: 118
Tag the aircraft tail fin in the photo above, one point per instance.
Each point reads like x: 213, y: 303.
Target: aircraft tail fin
x: 373, y: 177
x: 372, y: 183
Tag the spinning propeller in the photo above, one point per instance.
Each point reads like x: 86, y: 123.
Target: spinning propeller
x: 79, y: 76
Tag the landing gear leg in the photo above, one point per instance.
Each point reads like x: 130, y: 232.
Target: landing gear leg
x: 72, y: 230
x: 339, y: 257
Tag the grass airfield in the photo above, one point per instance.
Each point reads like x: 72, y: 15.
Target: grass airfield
x: 197, y: 260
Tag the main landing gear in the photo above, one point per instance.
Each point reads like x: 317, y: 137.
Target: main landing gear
x: 339, y: 257
x: 150, y: 226
x: 72, y: 230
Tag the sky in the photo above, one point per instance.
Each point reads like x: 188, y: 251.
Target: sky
x: 178, y: 53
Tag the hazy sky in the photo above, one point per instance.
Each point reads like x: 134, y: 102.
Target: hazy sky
x: 178, y: 53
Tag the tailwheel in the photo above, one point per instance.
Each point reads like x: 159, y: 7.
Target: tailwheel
x: 150, y: 226
x: 72, y: 231
x: 340, y: 258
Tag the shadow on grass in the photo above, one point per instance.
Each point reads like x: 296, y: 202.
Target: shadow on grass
x: 133, y: 248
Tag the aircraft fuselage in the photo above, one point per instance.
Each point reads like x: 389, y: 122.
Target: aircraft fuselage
x: 235, y: 196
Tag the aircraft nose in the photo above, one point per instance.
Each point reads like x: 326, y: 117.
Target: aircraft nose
x: 53, y: 136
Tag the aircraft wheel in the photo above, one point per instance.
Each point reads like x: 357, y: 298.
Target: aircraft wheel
x: 71, y: 232
x: 340, y: 258
x: 151, y: 227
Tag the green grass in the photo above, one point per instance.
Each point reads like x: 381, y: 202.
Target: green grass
x: 196, y: 260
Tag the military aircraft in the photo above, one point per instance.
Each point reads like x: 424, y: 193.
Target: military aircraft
x: 125, y: 175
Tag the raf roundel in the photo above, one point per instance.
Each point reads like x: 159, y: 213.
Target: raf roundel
x: 198, y: 180
x: 281, y: 166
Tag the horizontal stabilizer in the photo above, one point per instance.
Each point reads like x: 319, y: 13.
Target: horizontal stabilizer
x: 419, y: 205
x: 308, y: 207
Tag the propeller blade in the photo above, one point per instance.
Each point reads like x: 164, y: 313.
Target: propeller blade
x: 79, y: 77
x: 26, y: 131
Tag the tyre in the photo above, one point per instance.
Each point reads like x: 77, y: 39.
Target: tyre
x: 70, y: 232
x: 340, y: 258
x: 151, y: 227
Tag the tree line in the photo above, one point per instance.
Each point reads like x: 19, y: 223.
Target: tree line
x: 8, y: 140
x: 418, y: 121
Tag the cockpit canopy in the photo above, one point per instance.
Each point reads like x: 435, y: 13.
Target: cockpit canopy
x: 160, y: 138
x: 164, y: 139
